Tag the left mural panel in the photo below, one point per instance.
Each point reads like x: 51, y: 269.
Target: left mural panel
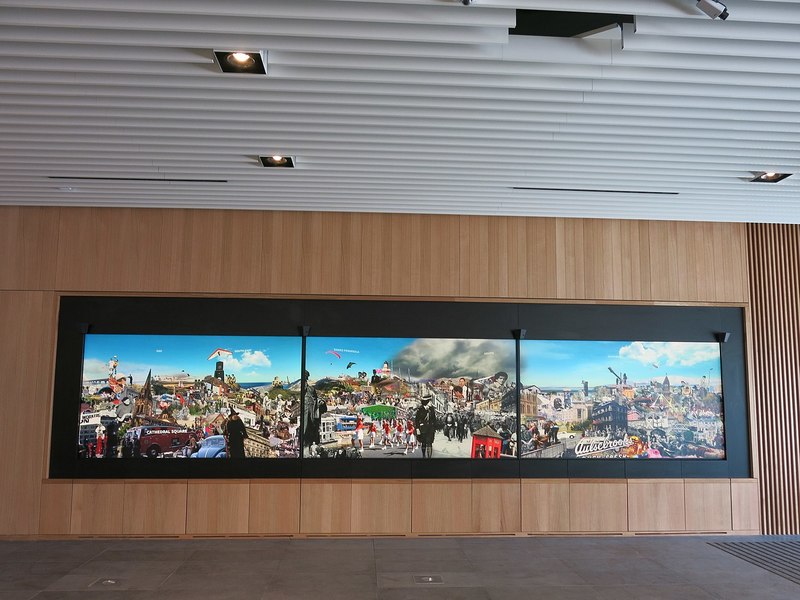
x: 189, y: 397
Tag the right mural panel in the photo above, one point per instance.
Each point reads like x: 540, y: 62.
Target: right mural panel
x: 621, y: 399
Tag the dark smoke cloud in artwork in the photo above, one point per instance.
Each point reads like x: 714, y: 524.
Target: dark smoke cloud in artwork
x: 438, y: 358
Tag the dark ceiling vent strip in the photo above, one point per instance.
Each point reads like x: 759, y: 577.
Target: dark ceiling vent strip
x: 553, y: 23
x: 161, y: 179
x: 548, y: 189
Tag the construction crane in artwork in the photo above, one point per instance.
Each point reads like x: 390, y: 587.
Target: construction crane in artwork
x: 614, y: 373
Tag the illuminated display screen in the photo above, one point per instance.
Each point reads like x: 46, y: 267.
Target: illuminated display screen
x: 599, y: 399
x: 410, y: 398
x: 189, y: 396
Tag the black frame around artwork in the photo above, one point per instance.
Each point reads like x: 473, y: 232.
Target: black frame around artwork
x: 376, y: 318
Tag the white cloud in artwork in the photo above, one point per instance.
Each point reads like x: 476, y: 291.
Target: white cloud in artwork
x: 94, y: 368
x: 670, y: 354
x: 247, y: 359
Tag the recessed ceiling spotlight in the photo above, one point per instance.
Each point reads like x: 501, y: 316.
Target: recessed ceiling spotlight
x: 770, y: 177
x: 241, y: 61
x: 277, y: 160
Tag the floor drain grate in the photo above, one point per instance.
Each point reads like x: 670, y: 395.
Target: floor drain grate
x: 428, y: 579
x: 779, y: 557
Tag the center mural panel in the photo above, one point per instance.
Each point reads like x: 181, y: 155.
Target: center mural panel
x: 410, y: 398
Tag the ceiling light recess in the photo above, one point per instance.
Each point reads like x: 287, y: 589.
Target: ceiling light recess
x: 277, y: 160
x: 250, y: 62
x: 769, y: 177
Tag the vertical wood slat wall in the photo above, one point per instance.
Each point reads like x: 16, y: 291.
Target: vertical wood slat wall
x: 47, y: 251
x: 774, y: 254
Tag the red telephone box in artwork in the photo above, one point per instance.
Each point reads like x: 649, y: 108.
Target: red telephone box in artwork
x: 486, y: 443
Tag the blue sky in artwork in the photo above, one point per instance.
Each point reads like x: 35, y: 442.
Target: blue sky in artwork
x: 253, y: 359
x: 566, y: 363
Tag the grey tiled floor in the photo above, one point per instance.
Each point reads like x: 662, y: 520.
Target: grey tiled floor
x: 560, y: 568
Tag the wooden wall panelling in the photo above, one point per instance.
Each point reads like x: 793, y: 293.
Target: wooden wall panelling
x: 283, y: 244
x: 708, y: 504
x: 97, y: 507
x: 474, y: 259
x: 545, y: 505
x: 405, y: 263
x: 496, y: 505
x: 664, y: 268
x: 774, y: 259
x: 507, y: 277
x: 381, y: 506
x: 706, y: 262
x: 540, y: 261
x: 150, y: 252
x: 565, y: 261
x: 576, y: 245
x: 376, y: 253
x: 441, y: 506
x: 431, y: 253
x: 321, y: 262
x: 645, y: 261
x: 570, y: 243
x: 325, y: 505
x: 241, y: 247
x: 154, y: 507
x: 89, y: 244
x: 441, y: 269
x: 28, y: 246
x: 598, y: 505
x: 718, y: 259
x: 217, y: 507
x: 620, y: 262
x: 517, y: 258
x: 730, y: 262
x: 27, y: 325
x: 497, y: 254
x: 594, y: 259
x: 610, y: 231
x: 687, y: 259
x: 354, y: 280
x: 703, y: 268
x: 198, y: 247
x: 274, y: 506
x: 635, y: 265
x: 56, y: 507
x: 219, y: 251
x: 656, y: 505
x: 745, y: 505
x: 742, y: 264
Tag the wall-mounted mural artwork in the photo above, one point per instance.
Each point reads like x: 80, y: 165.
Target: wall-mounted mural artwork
x: 602, y: 399
x: 410, y: 398
x: 220, y: 387
x: 189, y: 396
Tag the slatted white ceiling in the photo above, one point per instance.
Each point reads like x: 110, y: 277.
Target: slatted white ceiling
x: 424, y: 106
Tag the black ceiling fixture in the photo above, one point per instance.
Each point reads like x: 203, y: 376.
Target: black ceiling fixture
x: 769, y: 177
x: 552, y: 23
x: 277, y: 160
x: 252, y: 62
